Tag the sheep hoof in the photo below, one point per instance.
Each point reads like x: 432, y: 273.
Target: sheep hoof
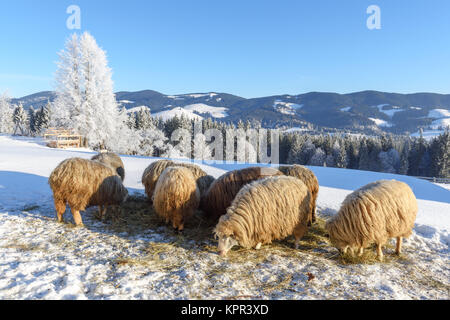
x: 258, y: 246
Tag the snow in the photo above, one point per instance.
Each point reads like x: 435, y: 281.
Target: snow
x: 43, y: 259
x: 137, y: 109
x: 201, y: 108
x: 390, y: 113
x: 439, y: 113
x: 178, y: 111
x: 428, y: 134
x: 286, y: 107
x: 295, y: 129
x: 381, y: 123
x: 440, y: 123
x: 193, y: 111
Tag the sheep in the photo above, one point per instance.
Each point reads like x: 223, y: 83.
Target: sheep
x: 176, y: 196
x: 113, y: 160
x: 309, y: 178
x: 223, y: 190
x: 268, y: 209
x: 373, y: 214
x: 84, y: 183
x: 154, y: 170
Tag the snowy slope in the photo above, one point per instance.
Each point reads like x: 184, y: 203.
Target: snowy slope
x: 381, y: 123
x: 42, y: 259
x: 201, y: 108
x: 178, y: 111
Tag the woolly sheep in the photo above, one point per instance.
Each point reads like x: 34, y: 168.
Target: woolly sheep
x: 154, y: 170
x: 372, y: 214
x: 224, y: 189
x: 113, y: 160
x: 83, y: 183
x: 309, y: 178
x: 268, y: 209
x: 176, y: 196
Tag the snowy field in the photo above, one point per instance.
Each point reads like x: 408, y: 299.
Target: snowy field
x: 134, y: 256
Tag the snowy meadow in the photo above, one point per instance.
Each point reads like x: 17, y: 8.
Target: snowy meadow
x: 135, y: 256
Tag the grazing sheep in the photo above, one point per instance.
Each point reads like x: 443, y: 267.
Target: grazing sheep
x: 308, y: 178
x: 223, y: 190
x: 154, y: 170
x: 83, y: 183
x: 372, y: 214
x: 113, y: 160
x: 176, y: 196
x: 204, y: 183
x: 265, y: 210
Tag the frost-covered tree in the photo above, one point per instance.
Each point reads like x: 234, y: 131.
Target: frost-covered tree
x: 68, y: 83
x: 99, y: 112
x: 85, y: 99
x: 389, y: 161
x: 20, y: 119
x: 318, y: 159
x: 6, y: 114
x: 144, y: 119
x: 32, y: 120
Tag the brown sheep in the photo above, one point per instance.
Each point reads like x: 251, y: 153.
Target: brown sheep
x: 154, y: 170
x: 223, y: 190
x: 373, y: 214
x: 113, y: 160
x: 265, y: 210
x: 176, y: 196
x: 308, y: 178
x: 83, y: 183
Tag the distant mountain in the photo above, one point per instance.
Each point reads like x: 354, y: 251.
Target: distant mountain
x: 36, y: 100
x: 373, y: 110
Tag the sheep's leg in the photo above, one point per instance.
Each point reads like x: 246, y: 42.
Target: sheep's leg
x: 352, y: 252
x: 361, y: 251
x: 105, y: 209
x: 398, y: 249
x: 77, y: 217
x: 313, y: 215
x: 379, y: 252
x: 60, y: 207
x: 299, y: 232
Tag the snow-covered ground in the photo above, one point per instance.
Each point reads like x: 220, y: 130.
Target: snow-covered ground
x: 43, y: 259
x: 381, y: 123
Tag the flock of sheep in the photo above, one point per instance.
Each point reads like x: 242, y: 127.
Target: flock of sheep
x: 251, y: 207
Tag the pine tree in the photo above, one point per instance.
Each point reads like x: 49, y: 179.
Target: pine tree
x: 68, y: 81
x: 404, y: 163
x: 20, y: 119
x: 6, y: 115
x: 440, y: 156
x: 32, y: 120
x: 364, y: 161
x: 85, y: 99
x: 98, y: 117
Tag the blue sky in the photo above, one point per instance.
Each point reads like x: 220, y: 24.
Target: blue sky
x: 249, y: 48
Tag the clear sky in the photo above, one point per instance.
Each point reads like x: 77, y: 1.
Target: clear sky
x: 249, y: 48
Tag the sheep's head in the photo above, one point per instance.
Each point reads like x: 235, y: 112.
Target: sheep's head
x: 177, y: 222
x: 120, y: 191
x: 341, y: 244
x: 225, y: 244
